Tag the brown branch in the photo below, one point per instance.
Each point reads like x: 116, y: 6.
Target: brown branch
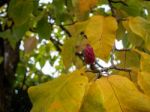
x: 106, y: 69
x: 125, y: 49
x: 66, y: 31
x: 56, y: 43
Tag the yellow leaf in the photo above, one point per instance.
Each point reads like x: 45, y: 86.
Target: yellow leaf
x: 29, y: 44
x: 93, y: 100
x: 144, y: 61
x: 82, y: 7
x: 100, y: 32
x: 144, y: 82
x: 63, y: 94
x: 121, y: 95
x: 144, y: 75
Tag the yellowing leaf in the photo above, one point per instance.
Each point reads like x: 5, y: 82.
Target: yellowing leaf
x: 100, y: 32
x: 144, y: 82
x: 93, y: 101
x: 72, y: 46
x: 68, y: 52
x: 82, y: 7
x: 63, y: 94
x: 121, y: 95
x: 144, y: 61
x: 144, y: 75
x: 140, y: 27
x: 29, y: 44
x: 129, y: 59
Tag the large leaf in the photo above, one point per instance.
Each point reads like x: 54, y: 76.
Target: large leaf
x: 99, y: 33
x: 20, y: 10
x: 120, y: 95
x: 63, y: 94
x: 44, y: 28
x: 93, y: 101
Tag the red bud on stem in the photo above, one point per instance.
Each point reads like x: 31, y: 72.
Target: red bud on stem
x: 89, y: 55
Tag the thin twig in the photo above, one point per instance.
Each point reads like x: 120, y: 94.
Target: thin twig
x: 67, y: 32
x: 106, y: 69
x: 125, y: 49
x: 56, y: 43
x: 112, y: 56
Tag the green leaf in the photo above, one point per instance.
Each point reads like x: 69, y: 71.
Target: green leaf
x: 20, y: 10
x: 44, y: 28
x: 132, y: 8
x: 19, y: 31
x: 9, y: 35
x: 63, y: 94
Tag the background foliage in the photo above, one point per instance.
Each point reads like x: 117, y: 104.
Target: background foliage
x: 40, y: 41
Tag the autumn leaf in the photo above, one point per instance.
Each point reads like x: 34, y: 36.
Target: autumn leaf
x: 82, y: 7
x: 144, y: 75
x: 93, y: 99
x: 120, y: 94
x: 128, y: 59
x: 63, y: 94
x: 140, y: 27
x: 99, y: 33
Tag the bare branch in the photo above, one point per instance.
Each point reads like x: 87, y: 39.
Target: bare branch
x: 125, y: 49
x: 64, y: 29
x: 56, y: 43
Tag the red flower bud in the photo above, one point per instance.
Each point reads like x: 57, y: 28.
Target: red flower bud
x: 89, y: 56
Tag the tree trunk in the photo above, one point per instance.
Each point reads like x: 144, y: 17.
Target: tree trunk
x: 7, y: 73
x: 2, y: 89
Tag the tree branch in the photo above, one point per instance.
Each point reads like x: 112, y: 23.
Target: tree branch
x: 56, y: 43
x: 67, y: 32
x: 125, y: 49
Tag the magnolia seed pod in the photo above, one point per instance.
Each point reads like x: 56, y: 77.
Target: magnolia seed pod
x: 89, y: 55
